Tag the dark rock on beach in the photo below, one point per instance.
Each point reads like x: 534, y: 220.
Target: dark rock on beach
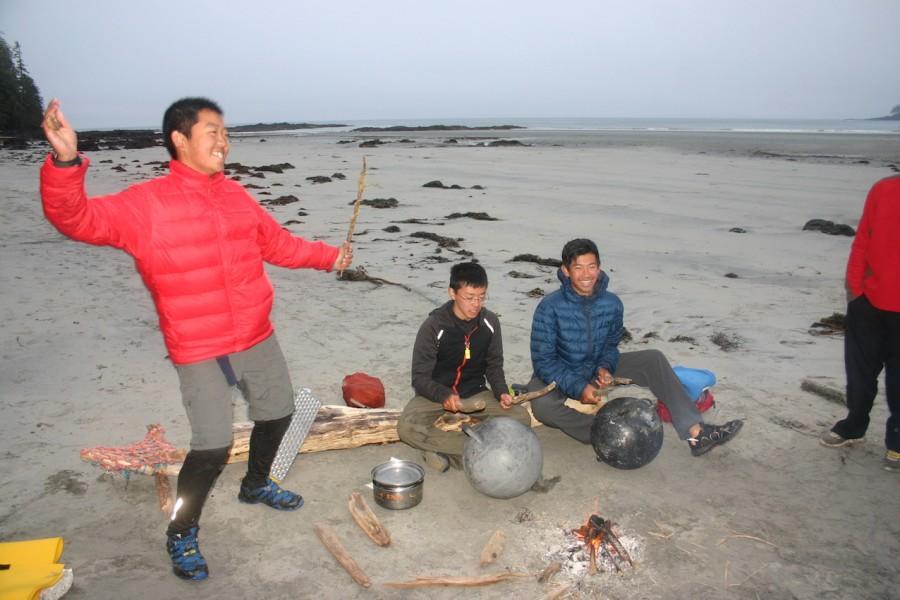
x: 737, y: 230
x: 371, y: 143
x: 829, y: 227
x: 319, y: 179
x: 338, y: 176
x: 435, y: 184
x: 478, y: 216
x: 547, y: 262
x: 281, y: 200
x: 379, y: 202
x: 391, y: 229
x: 497, y: 143
x: 443, y: 242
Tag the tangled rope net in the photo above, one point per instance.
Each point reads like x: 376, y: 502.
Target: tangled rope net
x: 149, y: 455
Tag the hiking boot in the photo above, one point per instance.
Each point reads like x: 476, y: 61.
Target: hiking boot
x: 833, y: 440
x: 436, y: 461
x: 892, y: 461
x: 714, y: 435
x: 272, y: 495
x: 470, y: 405
x: 184, y: 550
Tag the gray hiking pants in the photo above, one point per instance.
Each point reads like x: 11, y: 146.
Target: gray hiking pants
x: 646, y: 368
x: 416, y: 426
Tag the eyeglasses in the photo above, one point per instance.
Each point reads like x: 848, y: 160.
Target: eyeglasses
x: 472, y: 299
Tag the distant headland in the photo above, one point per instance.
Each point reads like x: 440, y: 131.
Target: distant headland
x: 437, y: 128
x: 280, y: 127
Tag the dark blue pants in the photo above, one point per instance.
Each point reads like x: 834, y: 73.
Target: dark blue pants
x: 872, y: 343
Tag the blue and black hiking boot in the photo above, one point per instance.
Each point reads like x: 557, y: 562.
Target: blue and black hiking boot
x: 184, y: 550
x: 271, y: 494
x: 711, y: 436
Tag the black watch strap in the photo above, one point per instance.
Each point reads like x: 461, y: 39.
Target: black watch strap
x: 66, y: 163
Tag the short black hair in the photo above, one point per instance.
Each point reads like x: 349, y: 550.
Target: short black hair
x: 575, y: 248
x: 182, y: 115
x: 468, y: 273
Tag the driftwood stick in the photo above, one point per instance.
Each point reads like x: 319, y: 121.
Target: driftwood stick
x: 602, y: 391
x: 454, y: 421
x: 825, y: 391
x: 558, y: 593
x: 334, y: 546
x: 163, y: 492
x: 549, y: 571
x: 367, y: 521
x: 520, y: 398
x: 455, y: 581
x: 493, y: 548
x: 360, y: 188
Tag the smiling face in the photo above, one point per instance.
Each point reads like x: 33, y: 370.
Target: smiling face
x: 467, y: 301
x: 583, y: 271
x: 207, y: 147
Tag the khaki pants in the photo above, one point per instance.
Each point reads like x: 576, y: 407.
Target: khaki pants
x: 416, y: 426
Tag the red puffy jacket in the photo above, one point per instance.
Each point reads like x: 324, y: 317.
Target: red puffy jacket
x: 199, y: 243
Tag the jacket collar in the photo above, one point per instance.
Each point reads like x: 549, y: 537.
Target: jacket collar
x: 188, y: 175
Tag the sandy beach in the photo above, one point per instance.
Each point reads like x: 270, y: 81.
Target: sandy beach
x: 771, y: 515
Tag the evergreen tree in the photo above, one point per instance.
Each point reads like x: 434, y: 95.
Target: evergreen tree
x: 21, y: 107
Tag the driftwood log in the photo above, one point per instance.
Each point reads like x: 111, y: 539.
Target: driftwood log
x: 367, y: 521
x: 335, y: 428
x: 330, y: 540
x: 826, y: 391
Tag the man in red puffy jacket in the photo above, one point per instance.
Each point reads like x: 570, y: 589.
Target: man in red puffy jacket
x: 872, y: 340
x: 199, y: 241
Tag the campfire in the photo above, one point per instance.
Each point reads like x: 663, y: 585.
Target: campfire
x: 600, y: 541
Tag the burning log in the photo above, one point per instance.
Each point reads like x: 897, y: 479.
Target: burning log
x: 493, y: 548
x: 333, y: 544
x: 598, y: 537
x: 367, y: 521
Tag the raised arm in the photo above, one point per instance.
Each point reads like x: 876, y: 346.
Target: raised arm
x: 59, y: 133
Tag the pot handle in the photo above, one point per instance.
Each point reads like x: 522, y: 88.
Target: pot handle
x: 470, y: 431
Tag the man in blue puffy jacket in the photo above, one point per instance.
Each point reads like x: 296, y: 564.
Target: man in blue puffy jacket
x: 575, y: 338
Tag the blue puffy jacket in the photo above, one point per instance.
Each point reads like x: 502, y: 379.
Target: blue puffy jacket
x: 572, y: 336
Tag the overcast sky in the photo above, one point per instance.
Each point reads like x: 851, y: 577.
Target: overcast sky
x: 120, y: 63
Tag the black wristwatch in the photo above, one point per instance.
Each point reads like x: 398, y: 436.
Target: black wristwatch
x: 66, y: 163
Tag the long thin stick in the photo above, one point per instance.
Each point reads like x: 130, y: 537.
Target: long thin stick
x: 360, y: 188
x: 455, y: 581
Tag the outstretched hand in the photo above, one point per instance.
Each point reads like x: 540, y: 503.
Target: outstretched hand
x: 345, y: 257
x: 59, y: 132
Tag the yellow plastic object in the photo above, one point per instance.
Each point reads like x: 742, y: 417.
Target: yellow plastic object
x: 32, y: 567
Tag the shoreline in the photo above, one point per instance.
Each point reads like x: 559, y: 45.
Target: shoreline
x: 84, y: 365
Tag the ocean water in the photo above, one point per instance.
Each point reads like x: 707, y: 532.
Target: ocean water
x: 826, y: 126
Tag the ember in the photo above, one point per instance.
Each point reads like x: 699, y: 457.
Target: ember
x: 598, y: 538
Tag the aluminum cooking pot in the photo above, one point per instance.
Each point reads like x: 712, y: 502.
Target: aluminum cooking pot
x: 398, y: 484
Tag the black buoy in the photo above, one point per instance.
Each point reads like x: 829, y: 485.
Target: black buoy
x: 627, y: 433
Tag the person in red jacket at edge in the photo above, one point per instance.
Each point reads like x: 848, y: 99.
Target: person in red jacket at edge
x: 199, y: 241
x: 872, y: 339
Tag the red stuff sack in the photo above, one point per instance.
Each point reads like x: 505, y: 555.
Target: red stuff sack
x: 363, y: 391
x: 704, y: 403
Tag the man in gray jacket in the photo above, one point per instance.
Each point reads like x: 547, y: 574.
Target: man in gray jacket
x: 458, y: 352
